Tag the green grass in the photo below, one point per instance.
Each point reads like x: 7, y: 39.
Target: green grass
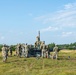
x: 33, y: 66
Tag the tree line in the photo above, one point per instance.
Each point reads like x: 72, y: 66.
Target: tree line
x: 71, y: 46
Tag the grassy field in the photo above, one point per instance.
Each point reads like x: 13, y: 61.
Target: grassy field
x: 33, y: 66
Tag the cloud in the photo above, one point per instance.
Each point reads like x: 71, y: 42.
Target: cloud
x: 67, y: 34
x: 49, y: 29
x: 64, y: 17
x: 70, y: 5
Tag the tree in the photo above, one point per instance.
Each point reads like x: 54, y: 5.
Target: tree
x: 0, y: 47
x: 51, y: 45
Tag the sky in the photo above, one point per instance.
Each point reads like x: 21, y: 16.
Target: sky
x: 20, y: 21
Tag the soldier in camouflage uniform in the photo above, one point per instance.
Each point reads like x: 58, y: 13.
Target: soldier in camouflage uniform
x: 23, y: 50
x: 17, y: 50
x: 47, y: 51
x: 43, y: 48
x: 4, y: 53
x: 37, y: 43
x: 55, y: 54
x: 26, y: 50
x: 20, y: 50
x: 10, y: 50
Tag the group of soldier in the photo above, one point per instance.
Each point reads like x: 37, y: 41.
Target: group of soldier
x: 22, y: 50
x: 45, y: 49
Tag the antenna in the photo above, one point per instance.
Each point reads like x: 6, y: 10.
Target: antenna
x: 39, y: 35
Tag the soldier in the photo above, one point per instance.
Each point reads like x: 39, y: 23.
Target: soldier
x: 23, y: 50
x: 55, y: 54
x: 37, y: 43
x: 43, y: 47
x: 4, y: 53
x: 10, y: 50
x: 17, y: 50
x: 47, y: 51
x: 26, y: 50
x: 20, y: 50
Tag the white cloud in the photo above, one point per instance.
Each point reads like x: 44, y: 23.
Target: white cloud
x: 67, y: 34
x: 49, y: 29
x: 64, y: 17
x: 70, y: 6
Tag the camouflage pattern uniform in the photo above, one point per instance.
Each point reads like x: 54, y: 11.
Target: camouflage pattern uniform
x: 23, y: 50
x: 20, y: 50
x: 37, y: 43
x: 4, y: 53
x: 43, y: 47
x: 55, y: 54
x: 26, y: 50
x: 47, y: 51
x: 10, y: 51
x: 17, y: 50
